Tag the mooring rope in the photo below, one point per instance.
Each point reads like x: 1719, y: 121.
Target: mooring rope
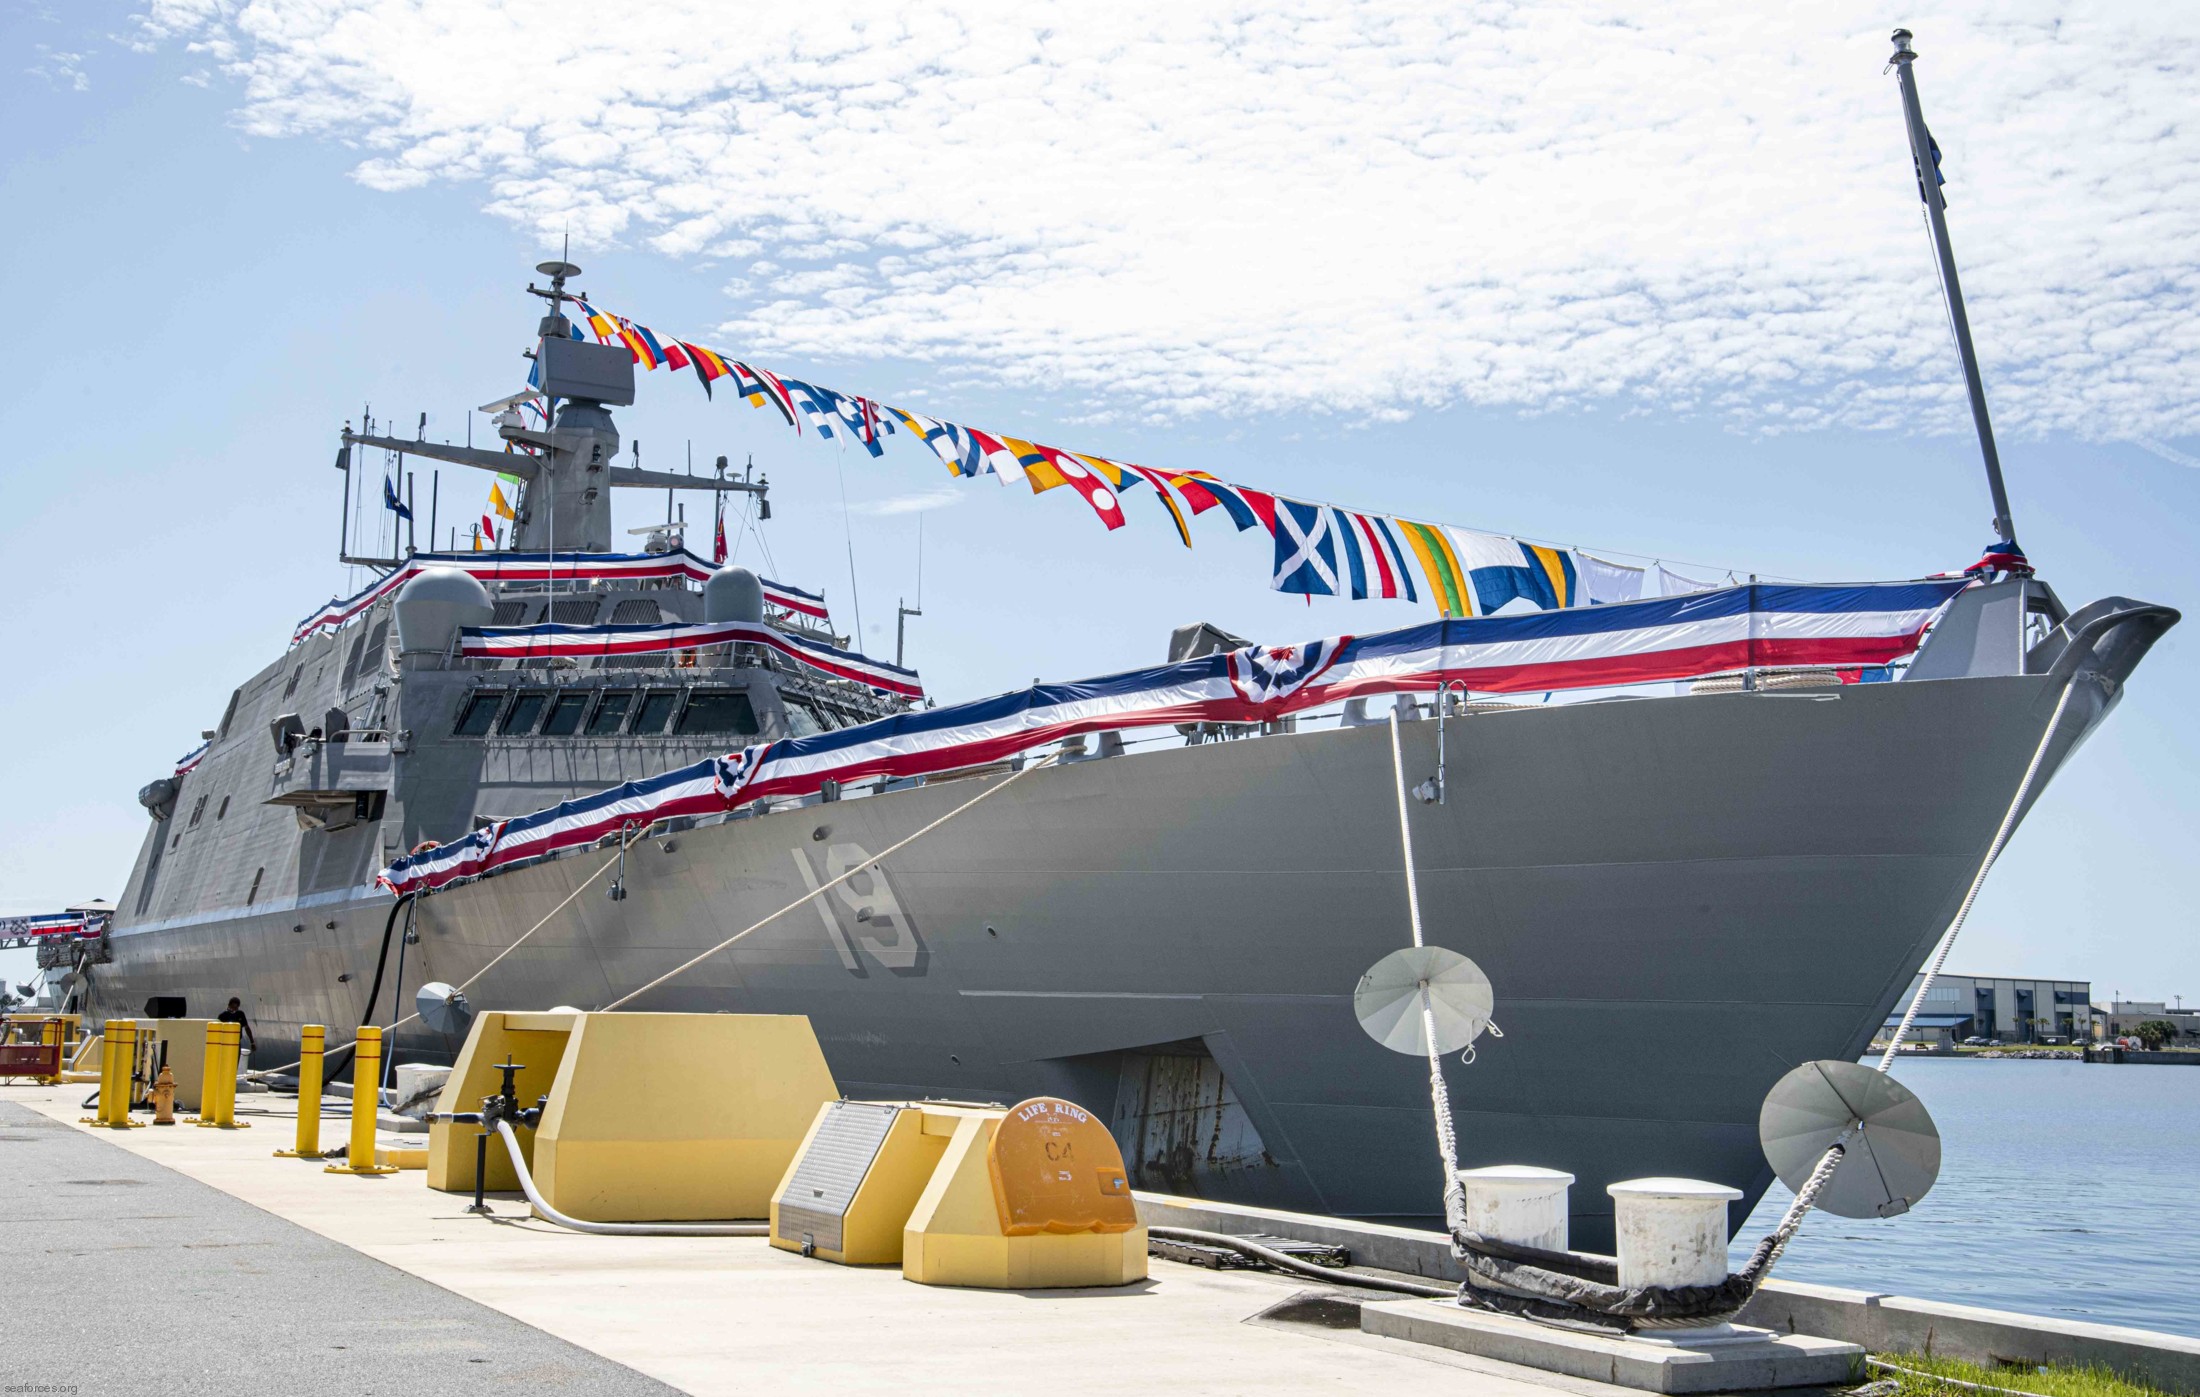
x: 609, y: 863
x: 485, y: 969
x: 1561, y: 1296
x: 823, y: 888
x: 1993, y: 852
x: 1447, y: 1139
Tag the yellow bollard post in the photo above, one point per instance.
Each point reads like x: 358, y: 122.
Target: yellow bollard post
x: 210, y: 1076
x: 311, y: 1040
x: 366, y: 1101
x: 218, y: 1079
x: 106, y: 1078
x: 118, y: 1055
x: 52, y: 1035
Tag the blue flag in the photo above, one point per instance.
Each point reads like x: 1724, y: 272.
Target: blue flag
x: 1306, y: 549
x: 390, y: 500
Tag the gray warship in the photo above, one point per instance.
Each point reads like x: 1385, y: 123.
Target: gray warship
x: 1678, y: 896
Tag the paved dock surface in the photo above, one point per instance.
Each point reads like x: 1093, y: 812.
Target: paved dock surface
x: 236, y: 1272
x: 128, y: 1277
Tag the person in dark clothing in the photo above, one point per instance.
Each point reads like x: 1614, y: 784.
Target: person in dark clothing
x: 235, y: 1014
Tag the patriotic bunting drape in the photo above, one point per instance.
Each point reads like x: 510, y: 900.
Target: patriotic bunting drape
x: 51, y: 924
x: 540, y: 567
x: 1570, y: 648
x: 539, y: 642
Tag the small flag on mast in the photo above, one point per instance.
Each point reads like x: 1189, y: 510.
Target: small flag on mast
x: 390, y: 501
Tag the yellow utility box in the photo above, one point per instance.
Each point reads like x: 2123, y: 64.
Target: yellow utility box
x: 1034, y: 1197
x: 181, y: 1043
x: 649, y: 1117
x: 855, y: 1181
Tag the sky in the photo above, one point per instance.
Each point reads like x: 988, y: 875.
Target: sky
x: 1657, y: 286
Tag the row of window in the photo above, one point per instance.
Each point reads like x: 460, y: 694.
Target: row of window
x: 605, y: 713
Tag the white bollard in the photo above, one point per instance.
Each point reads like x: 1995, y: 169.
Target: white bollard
x: 1518, y: 1203
x: 1671, y: 1231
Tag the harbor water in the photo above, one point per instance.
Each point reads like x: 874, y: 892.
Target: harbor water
x: 2065, y: 1190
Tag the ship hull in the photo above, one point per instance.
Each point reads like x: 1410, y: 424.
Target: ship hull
x: 1677, y: 900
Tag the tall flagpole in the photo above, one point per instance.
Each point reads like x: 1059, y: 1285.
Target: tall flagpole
x: 1936, y: 216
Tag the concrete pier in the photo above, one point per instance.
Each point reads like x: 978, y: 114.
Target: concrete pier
x: 253, y: 1275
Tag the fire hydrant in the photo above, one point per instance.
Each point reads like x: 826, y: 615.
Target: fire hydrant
x: 164, y: 1097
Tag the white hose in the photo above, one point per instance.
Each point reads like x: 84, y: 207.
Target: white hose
x: 619, y: 1229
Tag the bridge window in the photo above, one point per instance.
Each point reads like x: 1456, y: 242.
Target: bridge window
x: 610, y: 714
x: 525, y: 710
x: 657, y: 706
x: 717, y: 711
x: 565, y: 715
x: 802, y: 720
x: 480, y: 712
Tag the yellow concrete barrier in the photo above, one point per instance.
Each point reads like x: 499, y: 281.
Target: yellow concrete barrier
x: 312, y: 1040
x: 366, y: 1106
x: 648, y: 1117
x: 218, y: 1088
x: 1032, y: 1198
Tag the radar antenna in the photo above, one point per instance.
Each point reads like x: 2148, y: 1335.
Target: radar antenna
x: 555, y: 325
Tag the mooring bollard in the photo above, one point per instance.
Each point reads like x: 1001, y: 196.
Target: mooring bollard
x: 312, y: 1039
x: 366, y: 1102
x: 1672, y: 1232
x: 1518, y: 1203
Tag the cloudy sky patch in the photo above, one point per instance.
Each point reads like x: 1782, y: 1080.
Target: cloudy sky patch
x: 1363, y: 210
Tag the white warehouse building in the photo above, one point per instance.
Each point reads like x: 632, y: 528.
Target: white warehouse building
x: 1996, y: 1006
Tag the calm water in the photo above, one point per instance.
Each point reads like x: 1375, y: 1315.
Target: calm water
x: 2065, y: 1189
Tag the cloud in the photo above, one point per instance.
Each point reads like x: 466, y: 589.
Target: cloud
x: 2167, y: 452
x: 917, y: 502
x: 62, y: 70
x: 1365, y: 209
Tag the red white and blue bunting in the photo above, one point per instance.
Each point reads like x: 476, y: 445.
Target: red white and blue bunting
x: 545, y: 641
x: 551, y: 567
x: 52, y: 924
x: 1629, y: 643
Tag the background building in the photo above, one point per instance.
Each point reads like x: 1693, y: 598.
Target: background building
x: 1993, y: 1006
x: 2122, y: 1019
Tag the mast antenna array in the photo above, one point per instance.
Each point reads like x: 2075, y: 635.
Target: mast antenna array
x: 1927, y: 156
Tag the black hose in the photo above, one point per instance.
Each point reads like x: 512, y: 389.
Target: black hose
x: 389, y: 925
x: 1284, y: 1261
